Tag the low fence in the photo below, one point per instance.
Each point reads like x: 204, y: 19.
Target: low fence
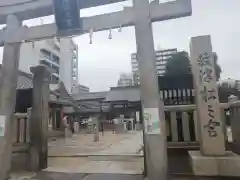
x: 181, y: 129
x: 181, y: 124
x: 20, y: 132
x: 177, y: 96
x: 20, y: 141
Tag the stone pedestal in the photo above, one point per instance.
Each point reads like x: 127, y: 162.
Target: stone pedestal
x: 119, y: 128
x: 76, y: 127
x: 227, y: 165
x: 96, y: 130
x: 138, y: 127
x: 67, y: 132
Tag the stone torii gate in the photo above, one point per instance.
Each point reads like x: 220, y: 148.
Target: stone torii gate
x: 141, y: 15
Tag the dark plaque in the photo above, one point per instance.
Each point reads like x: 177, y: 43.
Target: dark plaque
x: 67, y: 17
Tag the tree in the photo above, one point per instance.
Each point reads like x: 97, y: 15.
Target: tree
x: 218, y: 69
x: 179, y: 65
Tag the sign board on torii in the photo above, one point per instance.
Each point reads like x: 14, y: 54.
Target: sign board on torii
x: 67, y: 17
x: 158, y: 12
x: 30, y: 9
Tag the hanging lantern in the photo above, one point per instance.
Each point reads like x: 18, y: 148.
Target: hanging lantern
x: 110, y: 34
x: 90, y: 36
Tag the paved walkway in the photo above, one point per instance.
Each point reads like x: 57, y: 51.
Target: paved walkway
x: 129, y: 146
x: 114, y: 153
x: 83, y: 176
x: 81, y: 145
x: 77, y: 176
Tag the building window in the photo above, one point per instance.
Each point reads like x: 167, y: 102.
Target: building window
x: 55, y: 59
x: 46, y: 54
x: 45, y: 63
x: 54, y: 79
x: 55, y: 69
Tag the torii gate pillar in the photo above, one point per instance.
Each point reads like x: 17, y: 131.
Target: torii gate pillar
x: 155, y: 138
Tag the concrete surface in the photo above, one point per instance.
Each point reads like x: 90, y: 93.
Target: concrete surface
x: 109, y: 144
x: 113, y: 153
x: 74, y: 176
x: 178, y: 163
x: 227, y: 165
x: 84, y: 176
x: 84, y: 165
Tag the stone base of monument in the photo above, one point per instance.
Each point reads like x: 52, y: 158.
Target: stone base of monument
x: 227, y: 165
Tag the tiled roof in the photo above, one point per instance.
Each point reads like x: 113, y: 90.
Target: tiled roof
x: 24, y: 81
x: 90, y: 96
x: 131, y: 94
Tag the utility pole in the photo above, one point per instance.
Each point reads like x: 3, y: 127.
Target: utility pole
x: 8, y: 90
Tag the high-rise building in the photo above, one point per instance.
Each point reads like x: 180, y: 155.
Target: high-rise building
x: 162, y: 57
x: 69, y: 63
x: 125, y: 80
x: 62, y: 62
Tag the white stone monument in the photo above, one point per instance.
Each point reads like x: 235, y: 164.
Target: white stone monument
x: 213, y: 159
x: 208, y: 106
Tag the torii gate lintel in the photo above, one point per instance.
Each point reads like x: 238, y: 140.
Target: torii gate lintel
x: 159, y: 12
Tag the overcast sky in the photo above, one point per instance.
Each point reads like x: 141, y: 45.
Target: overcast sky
x: 101, y: 62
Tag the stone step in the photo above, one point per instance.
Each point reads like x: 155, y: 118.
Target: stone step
x: 87, y: 165
x: 102, y: 157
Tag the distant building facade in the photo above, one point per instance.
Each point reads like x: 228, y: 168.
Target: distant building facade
x: 230, y: 83
x: 79, y: 89
x: 62, y: 62
x: 162, y: 57
x: 125, y: 80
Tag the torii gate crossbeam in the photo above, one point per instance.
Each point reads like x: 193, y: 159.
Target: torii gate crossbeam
x: 30, y: 9
x: 159, y: 12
